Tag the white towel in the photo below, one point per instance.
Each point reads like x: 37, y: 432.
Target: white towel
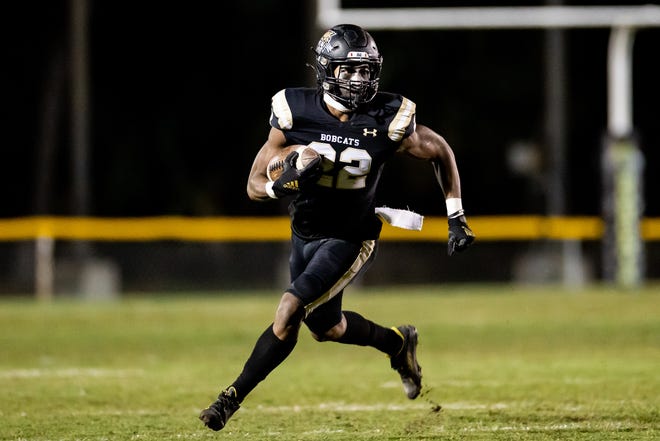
x: 406, y: 219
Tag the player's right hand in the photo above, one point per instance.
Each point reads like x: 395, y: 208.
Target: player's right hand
x: 293, y: 180
x: 460, y: 235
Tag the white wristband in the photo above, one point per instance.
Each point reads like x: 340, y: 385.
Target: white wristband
x: 269, y: 190
x: 454, y: 207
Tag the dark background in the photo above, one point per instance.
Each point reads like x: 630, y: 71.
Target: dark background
x: 179, y: 102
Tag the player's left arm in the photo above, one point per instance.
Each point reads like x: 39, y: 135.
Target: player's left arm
x: 424, y: 143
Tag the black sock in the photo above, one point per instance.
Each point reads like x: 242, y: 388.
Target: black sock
x: 268, y: 353
x: 363, y: 332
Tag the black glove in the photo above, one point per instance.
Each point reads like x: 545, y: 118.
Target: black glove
x: 460, y: 235
x: 293, y: 180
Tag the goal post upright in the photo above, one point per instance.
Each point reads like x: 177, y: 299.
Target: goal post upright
x: 622, y: 165
x: 622, y: 161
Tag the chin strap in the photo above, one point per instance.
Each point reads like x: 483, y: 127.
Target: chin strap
x: 330, y: 101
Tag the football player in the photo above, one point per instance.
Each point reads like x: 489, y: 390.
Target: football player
x: 335, y: 228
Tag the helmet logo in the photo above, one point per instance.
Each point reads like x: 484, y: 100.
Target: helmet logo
x: 324, y: 42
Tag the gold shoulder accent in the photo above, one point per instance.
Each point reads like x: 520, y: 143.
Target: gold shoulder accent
x: 404, y: 117
x: 280, y: 108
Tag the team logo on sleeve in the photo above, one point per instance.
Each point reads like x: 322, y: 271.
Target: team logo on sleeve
x: 367, y: 132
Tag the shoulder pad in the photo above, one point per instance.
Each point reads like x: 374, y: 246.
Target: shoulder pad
x: 404, y: 118
x: 281, y: 116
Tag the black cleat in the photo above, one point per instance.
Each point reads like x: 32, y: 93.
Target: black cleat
x: 216, y: 415
x: 405, y: 362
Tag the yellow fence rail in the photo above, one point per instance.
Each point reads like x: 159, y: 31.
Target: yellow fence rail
x: 276, y: 228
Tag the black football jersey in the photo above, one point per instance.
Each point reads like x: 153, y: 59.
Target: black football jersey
x: 341, y: 204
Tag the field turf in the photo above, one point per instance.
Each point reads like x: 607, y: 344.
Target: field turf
x: 499, y: 362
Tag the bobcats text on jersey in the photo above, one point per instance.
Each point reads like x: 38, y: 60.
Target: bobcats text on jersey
x: 340, y: 139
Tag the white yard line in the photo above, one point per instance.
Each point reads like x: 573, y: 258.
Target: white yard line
x: 70, y: 373
x: 355, y: 407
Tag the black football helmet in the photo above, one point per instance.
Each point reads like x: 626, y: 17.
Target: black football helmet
x: 347, y: 44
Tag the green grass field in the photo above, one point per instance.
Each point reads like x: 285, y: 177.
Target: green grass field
x: 499, y: 363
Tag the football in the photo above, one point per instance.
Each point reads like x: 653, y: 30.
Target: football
x: 306, y: 155
x: 276, y: 164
